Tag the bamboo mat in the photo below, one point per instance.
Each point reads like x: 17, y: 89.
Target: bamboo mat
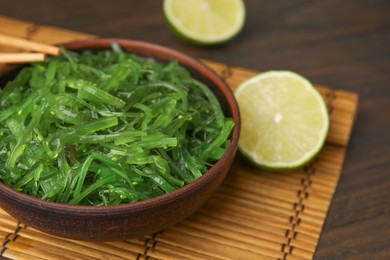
x: 253, y: 215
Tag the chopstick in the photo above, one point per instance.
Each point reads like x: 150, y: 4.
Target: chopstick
x: 26, y: 45
x: 21, y: 57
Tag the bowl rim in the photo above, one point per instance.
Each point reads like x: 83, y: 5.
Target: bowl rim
x: 184, y: 59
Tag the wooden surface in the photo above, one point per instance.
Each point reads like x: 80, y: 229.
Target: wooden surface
x: 335, y: 43
x: 254, y: 214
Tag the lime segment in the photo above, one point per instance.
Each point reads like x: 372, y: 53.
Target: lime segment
x: 205, y: 21
x: 284, y: 120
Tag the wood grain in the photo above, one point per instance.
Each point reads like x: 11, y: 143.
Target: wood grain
x: 335, y: 43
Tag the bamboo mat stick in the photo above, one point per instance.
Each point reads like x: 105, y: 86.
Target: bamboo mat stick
x: 165, y: 251
x: 20, y: 255
x: 216, y: 247
x: 238, y: 240
x: 203, y: 222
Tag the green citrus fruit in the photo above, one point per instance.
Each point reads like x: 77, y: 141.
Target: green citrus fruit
x: 205, y: 22
x: 284, y: 120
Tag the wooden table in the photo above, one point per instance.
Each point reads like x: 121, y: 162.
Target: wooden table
x: 342, y: 44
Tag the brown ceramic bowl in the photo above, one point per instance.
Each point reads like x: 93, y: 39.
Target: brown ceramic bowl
x: 140, y: 218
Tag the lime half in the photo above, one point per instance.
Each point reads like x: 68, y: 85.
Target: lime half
x: 284, y: 120
x: 205, y: 21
